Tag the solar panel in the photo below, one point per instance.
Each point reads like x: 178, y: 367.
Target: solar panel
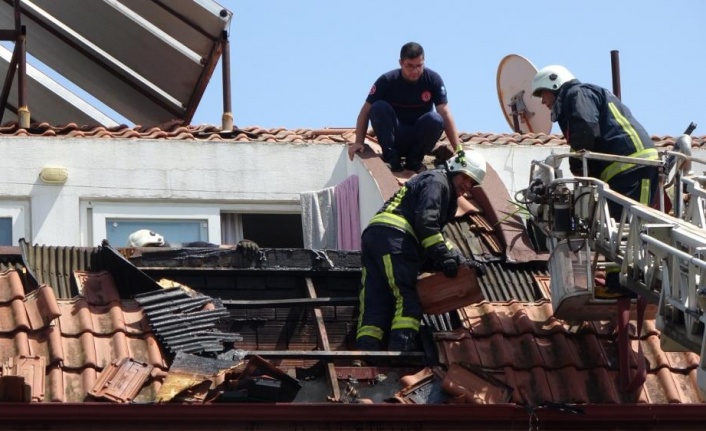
x: 54, y: 103
x: 149, y: 61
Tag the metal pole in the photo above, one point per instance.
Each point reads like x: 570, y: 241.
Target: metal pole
x: 615, y: 67
x: 227, y: 120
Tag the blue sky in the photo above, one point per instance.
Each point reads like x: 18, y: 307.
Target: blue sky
x: 310, y: 63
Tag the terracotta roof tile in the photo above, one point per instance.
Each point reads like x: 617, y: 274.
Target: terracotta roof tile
x: 98, y: 288
x: 547, y: 360
x: 10, y: 286
x: 77, y: 337
x: 13, y: 316
x: 41, y: 307
x: 334, y: 135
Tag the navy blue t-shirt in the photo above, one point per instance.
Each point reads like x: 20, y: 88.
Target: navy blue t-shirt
x: 410, y: 100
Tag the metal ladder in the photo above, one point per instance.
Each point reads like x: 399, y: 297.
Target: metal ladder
x: 661, y: 257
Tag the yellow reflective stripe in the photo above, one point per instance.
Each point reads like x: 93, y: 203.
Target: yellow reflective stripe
x: 366, y: 330
x: 393, y: 220
x: 616, y: 168
x: 432, y: 240
x: 390, y: 274
x: 449, y: 245
x: 645, y: 197
x: 400, y: 322
x: 397, y: 199
x: 361, y: 298
x: 627, y: 127
x: 370, y: 331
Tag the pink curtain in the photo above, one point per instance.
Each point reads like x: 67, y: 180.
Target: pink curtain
x: 348, y: 214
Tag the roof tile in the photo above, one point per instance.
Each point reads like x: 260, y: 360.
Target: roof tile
x: 78, y: 337
x: 10, y: 286
x: 41, y: 307
x: 545, y: 361
x: 333, y: 135
x: 13, y: 316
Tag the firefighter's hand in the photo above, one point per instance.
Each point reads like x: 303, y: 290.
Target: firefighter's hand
x: 248, y: 247
x: 450, y: 267
x: 479, y: 267
x: 355, y: 147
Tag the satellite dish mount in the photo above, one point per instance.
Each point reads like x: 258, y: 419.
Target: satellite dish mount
x: 523, y: 112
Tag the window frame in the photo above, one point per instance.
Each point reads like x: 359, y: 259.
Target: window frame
x: 94, y: 214
x: 99, y: 212
x: 18, y: 211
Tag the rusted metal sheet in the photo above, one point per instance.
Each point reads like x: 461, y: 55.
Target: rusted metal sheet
x: 190, y: 377
x: 261, y: 381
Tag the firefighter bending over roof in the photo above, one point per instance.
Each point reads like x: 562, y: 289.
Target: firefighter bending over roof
x: 406, y: 232
x: 594, y: 119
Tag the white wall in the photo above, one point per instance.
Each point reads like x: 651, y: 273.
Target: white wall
x: 154, y: 171
x: 177, y: 172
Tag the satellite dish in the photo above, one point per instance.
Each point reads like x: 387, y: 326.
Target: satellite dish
x: 523, y: 112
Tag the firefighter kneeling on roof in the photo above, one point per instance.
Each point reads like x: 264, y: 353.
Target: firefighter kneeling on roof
x: 405, y: 234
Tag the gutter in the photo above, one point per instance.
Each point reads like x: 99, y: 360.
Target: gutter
x: 499, y: 416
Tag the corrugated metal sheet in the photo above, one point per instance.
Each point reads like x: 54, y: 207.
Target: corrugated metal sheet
x: 503, y: 281
x: 55, y: 266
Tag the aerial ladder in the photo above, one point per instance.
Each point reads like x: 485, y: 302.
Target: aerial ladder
x: 660, y: 252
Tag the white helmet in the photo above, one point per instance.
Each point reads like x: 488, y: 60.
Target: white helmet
x: 145, y: 238
x: 471, y: 163
x: 550, y: 78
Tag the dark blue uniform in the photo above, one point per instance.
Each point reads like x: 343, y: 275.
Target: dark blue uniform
x: 406, y: 230
x: 403, y: 116
x: 594, y: 119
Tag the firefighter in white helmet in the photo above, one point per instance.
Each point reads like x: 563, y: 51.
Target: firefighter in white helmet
x: 594, y: 119
x: 406, y: 232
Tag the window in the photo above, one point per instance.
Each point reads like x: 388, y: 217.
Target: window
x: 274, y: 230
x: 173, y: 231
x: 270, y: 225
x: 6, y: 231
x: 177, y: 223
x: 14, y: 222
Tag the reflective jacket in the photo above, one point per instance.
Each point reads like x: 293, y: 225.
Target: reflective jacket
x: 593, y: 119
x: 421, y: 208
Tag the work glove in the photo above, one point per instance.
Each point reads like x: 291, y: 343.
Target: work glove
x: 248, y: 247
x: 450, y: 267
x: 479, y: 267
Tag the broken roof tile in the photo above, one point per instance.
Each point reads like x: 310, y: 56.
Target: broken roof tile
x: 10, y: 286
x: 41, y: 307
x: 32, y: 369
x: 97, y: 287
x: 122, y: 380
